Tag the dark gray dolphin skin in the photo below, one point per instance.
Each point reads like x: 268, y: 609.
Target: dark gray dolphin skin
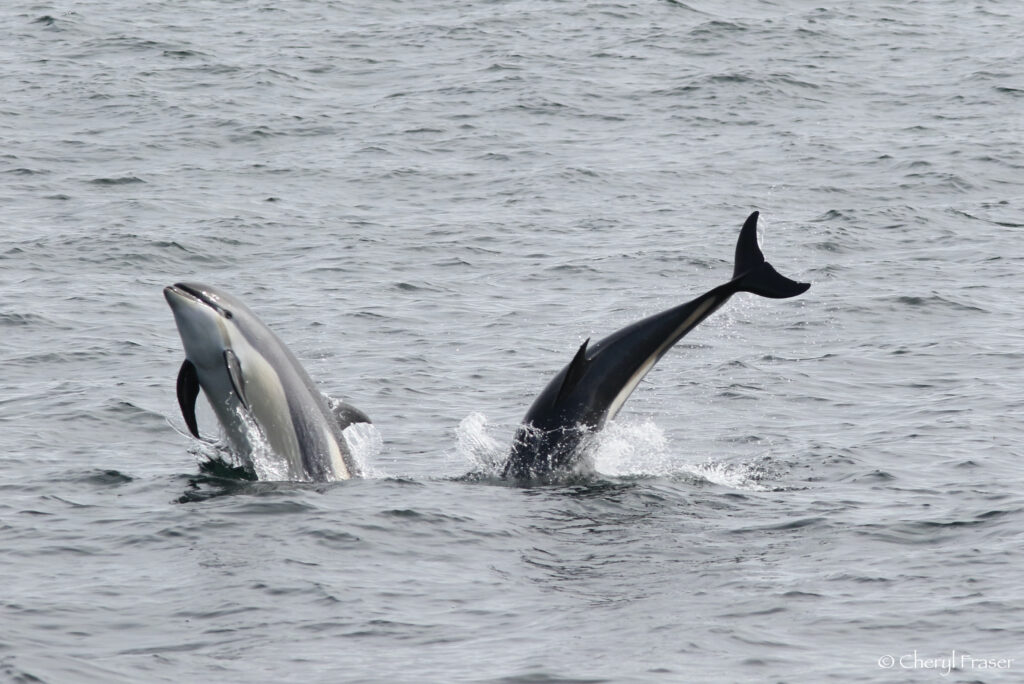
x: 593, y: 387
x: 247, y: 372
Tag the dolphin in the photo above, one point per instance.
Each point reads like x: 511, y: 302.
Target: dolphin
x: 589, y: 391
x: 249, y: 375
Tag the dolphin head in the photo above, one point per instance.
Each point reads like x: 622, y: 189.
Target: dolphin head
x: 206, y: 317
x: 212, y: 325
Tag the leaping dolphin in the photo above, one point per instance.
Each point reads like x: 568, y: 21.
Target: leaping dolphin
x: 593, y: 387
x: 245, y: 370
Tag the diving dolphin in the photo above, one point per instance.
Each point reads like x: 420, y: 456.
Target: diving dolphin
x: 593, y: 387
x: 246, y: 371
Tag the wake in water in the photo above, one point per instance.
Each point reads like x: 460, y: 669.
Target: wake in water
x: 625, y: 449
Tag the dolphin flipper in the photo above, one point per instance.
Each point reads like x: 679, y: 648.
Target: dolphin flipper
x: 235, y: 373
x: 188, y: 391
x: 753, y: 274
x: 347, y: 414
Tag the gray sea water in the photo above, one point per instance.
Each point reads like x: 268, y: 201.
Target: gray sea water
x: 434, y: 204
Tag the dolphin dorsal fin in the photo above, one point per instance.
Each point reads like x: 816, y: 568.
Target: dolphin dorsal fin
x: 235, y: 373
x: 347, y: 414
x: 188, y: 391
x: 575, y: 370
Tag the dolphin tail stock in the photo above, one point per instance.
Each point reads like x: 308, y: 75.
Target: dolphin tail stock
x: 752, y: 273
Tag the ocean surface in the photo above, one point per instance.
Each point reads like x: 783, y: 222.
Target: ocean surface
x: 434, y: 204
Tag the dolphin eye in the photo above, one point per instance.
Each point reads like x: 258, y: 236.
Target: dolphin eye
x: 228, y: 314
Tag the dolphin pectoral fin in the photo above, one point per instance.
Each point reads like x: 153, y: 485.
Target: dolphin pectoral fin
x: 235, y: 373
x: 577, y: 367
x: 347, y: 414
x: 752, y: 273
x: 188, y: 391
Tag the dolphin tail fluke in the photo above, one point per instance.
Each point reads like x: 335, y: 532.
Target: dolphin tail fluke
x: 753, y: 274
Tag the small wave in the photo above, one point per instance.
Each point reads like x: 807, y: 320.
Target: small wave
x: 20, y: 319
x: 936, y: 301
x: 25, y: 171
x: 104, y: 478
x: 1006, y: 90
x: 928, y: 532
x: 123, y: 410
x: 121, y: 180
x: 182, y: 54
x: 796, y: 524
x: 272, y: 507
x: 681, y: 5
x: 411, y: 287
x: 715, y: 28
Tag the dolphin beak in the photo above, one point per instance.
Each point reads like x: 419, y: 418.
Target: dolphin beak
x: 182, y: 291
x: 181, y: 300
x: 174, y: 295
x: 181, y: 295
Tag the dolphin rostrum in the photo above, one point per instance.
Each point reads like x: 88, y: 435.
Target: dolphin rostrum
x: 593, y: 387
x: 248, y: 373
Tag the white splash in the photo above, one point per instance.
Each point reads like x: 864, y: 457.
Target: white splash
x: 475, y: 446
x: 743, y: 475
x: 365, y: 443
x: 260, y: 458
x: 630, y: 448
x: 622, y: 449
x: 256, y: 456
